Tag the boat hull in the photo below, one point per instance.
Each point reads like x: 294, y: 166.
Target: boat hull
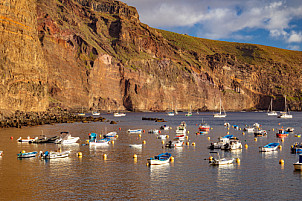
x: 298, y: 166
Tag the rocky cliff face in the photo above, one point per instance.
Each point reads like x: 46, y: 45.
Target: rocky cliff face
x: 97, y: 55
x: 22, y: 66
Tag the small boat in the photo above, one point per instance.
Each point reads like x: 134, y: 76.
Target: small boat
x: 285, y: 114
x: 134, y: 131
x: 201, y: 132
x: 28, y: 139
x: 221, y: 142
x: 165, y: 127
x: 234, y: 144
x: 1, y: 153
x: 54, y: 154
x: 82, y: 113
x: 110, y: 134
x: 204, y: 127
x: 256, y: 125
x: 101, y: 142
x: 290, y: 129
x: 162, y: 137
x: 66, y: 138
x: 226, y: 124
x: 270, y: 111
x: 260, y: 133
x: 298, y: 164
x: 189, y: 112
x: 160, y: 159
x: 138, y: 146
x: 24, y: 154
x: 296, y: 148
x: 182, y: 128
x: 174, y: 143
x: 153, y: 131
x: 170, y: 114
x: 220, y: 115
x: 249, y: 129
x: 220, y: 161
x: 269, y: 147
x: 282, y: 133
x: 95, y: 113
x: 117, y: 114
x: 45, y: 139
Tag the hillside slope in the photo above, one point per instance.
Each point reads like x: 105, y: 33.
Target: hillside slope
x: 96, y: 54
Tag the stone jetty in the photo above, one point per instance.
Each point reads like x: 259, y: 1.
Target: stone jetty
x: 20, y: 119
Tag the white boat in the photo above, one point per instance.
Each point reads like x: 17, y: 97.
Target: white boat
x: 220, y: 161
x: 182, y: 128
x: 234, y: 144
x: 66, y: 139
x: 170, y: 113
x: 138, y: 146
x: 54, y: 154
x: 153, y: 131
x: 180, y: 137
x: 1, y: 153
x: 189, y: 112
x: 160, y: 159
x: 285, y: 114
x: 134, y: 131
x: 101, y: 142
x: 174, y: 143
x: 270, y: 111
x: 162, y: 137
x: 221, y: 142
x: 110, y: 134
x: 95, y: 113
x: 165, y: 127
x: 220, y: 115
x: 298, y: 164
x: 269, y: 147
x: 28, y: 139
x: 117, y: 114
x: 249, y: 129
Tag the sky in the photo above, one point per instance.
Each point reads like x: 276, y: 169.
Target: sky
x: 276, y: 23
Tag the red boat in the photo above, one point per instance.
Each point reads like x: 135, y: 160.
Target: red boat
x: 204, y: 127
x: 282, y: 133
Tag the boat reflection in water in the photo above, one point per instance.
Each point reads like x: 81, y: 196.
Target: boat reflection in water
x: 159, y: 173
x: 269, y: 155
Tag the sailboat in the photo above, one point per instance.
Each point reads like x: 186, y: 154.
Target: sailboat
x: 270, y: 111
x: 81, y: 114
x: 285, y: 114
x: 220, y: 115
x: 171, y: 113
x: 175, y: 111
x: 190, y: 112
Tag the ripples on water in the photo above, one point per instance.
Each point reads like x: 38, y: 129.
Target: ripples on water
x: 120, y: 176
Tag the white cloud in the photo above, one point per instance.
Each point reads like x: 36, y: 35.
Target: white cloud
x: 295, y: 37
x: 218, y: 19
x: 293, y: 47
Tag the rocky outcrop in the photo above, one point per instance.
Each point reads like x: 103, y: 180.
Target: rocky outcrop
x: 96, y: 54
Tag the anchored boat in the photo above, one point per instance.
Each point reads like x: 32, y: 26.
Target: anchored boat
x: 220, y: 161
x: 269, y: 147
x: 24, y: 154
x: 160, y: 159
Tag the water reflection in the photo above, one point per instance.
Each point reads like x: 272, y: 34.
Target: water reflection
x: 159, y: 173
x: 270, y: 154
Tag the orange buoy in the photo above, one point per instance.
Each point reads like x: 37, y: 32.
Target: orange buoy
x: 11, y: 137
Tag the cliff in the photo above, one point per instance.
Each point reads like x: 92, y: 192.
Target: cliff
x: 96, y: 54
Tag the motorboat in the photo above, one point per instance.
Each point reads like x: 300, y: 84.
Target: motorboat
x: 220, y: 161
x: 138, y: 146
x: 163, y: 137
x: 45, y: 139
x: 204, y: 127
x: 153, y: 131
x: 101, y: 142
x: 182, y: 128
x: 226, y: 124
x: 296, y: 148
x: 112, y: 134
x: 298, y: 164
x: 220, y: 115
x: 174, y: 143
x: 221, y: 142
x: 170, y: 113
x: 249, y: 129
x: 160, y: 159
x: 24, y: 154
x: 270, y: 111
x: 290, y: 129
x: 260, y: 133
x: 28, y: 139
x: 234, y: 144
x: 117, y: 114
x: 134, y: 130
x: 282, y: 133
x: 269, y: 147
x: 95, y: 113
x: 54, y: 154
x: 165, y: 127
x: 66, y: 138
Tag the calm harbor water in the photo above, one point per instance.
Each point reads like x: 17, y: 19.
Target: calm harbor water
x: 121, y: 177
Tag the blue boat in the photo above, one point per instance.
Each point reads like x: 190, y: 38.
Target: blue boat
x: 269, y: 147
x: 296, y: 148
x: 160, y: 159
x: 24, y: 154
